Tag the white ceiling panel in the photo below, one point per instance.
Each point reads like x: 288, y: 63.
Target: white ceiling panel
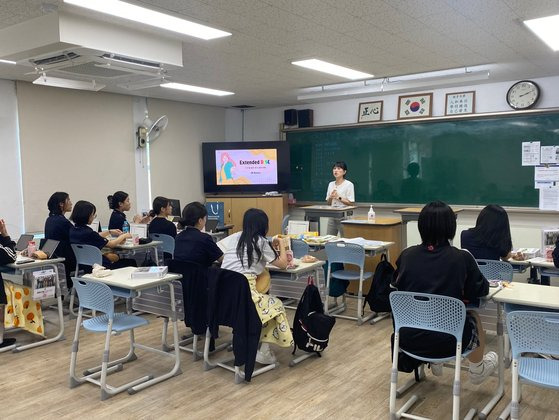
x: 382, y: 37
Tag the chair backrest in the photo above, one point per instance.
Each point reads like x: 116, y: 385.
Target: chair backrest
x: 495, y: 270
x: 534, y: 332
x: 94, y: 295
x: 168, y: 242
x: 87, y: 254
x: 428, y: 312
x: 284, y: 222
x: 299, y: 247
x: 341, y: 252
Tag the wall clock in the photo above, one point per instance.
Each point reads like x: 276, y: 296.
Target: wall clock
x: 523, y: 94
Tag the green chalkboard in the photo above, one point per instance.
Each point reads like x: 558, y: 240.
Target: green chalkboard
x: 472, y: 161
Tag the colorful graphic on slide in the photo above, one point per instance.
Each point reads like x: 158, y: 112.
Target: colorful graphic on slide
x: 246, y: 167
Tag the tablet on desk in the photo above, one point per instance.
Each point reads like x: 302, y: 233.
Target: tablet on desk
x: 23, y: 241
x: 49, y: 247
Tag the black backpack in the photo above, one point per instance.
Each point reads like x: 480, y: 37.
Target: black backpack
x: 378, y: 296
x: 311, y: 327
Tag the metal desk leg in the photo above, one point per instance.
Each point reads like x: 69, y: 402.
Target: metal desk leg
x: 501, y: 366
x: 176, y: 368
x: 60, y: 335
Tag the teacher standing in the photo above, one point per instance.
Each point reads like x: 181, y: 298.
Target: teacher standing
x: 340, y: 194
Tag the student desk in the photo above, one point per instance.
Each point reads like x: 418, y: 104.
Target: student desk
x: 411, y: 214
x: 546, y: 268
x: 291, y: 282
x: 314, y: 213
x: 519, y: 294
x: 21, y: 269
x: 122, y: 278
x: 131, y: 249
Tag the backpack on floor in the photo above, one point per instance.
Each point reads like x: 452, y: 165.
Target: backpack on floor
x: 311, y: 327
x: 378, y: 296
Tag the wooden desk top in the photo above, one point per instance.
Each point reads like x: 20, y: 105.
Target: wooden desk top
x: 529, y: 294
x: 379, y: 221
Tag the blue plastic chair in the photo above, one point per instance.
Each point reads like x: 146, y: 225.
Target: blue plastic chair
x: 353, y: 254
x: 495, y: 270
x: 168, y: 242
x: 299, y: 247
x: 432, y: 313
x: 99, y: 297
x: 533, y: 332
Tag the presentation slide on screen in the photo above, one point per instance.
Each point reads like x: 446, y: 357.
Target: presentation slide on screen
x: 246, y: 167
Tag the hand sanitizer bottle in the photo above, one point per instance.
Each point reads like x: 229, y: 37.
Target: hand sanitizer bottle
x: 371, y: 215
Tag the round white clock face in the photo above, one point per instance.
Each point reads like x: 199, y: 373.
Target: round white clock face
x: 523, y: 94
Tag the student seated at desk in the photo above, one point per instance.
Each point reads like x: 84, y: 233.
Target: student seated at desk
x: 119, y: 202
x: 162, y: 208
x: 490, y: 239
x: 83, y: 214
x: 247, y: 252
x: 193, y: 245
x: 7, y: 256
x: 57, y: 227
x: 438, y: 268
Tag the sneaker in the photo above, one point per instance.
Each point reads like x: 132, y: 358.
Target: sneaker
x: 488, y: 367
x: 8, y: 342
x: 437, y: 369
x: 265, y: 357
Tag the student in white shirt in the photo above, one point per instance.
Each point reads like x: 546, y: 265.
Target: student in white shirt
x: 340, y: 193
x: 248, y: 252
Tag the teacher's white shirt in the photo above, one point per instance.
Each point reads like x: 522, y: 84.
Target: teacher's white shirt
x: 345, y: 191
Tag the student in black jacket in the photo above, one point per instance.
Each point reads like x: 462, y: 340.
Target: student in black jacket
x: 7, y: 256
x: 162, y: 208
x: 490, y: 239
x: 438, y: 268
x: 119, y: 202
x: 57, y: 227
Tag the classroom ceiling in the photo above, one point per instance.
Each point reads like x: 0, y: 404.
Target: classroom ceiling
x: 385, y: 38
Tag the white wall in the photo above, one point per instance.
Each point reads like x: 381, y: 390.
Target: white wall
x: 11, y: 198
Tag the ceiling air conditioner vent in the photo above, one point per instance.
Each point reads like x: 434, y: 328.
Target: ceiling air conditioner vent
x: 55, y: 59
x: 134, y: 61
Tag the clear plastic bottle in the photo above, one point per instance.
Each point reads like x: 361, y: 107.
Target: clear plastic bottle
x: 371, y: 215
x: 126, y: 227
x: 31, y: 248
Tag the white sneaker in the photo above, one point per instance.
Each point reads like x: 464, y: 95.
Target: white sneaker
x: 489, y: 364
x: 265, y: 357
x: 437, y: 369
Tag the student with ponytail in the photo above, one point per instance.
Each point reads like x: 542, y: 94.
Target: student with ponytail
x: 119, y: 202
x: 57, y: 227
x: 162, y: 208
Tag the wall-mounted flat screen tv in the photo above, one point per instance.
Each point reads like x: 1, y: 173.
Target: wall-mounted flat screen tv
x: 250, y: 166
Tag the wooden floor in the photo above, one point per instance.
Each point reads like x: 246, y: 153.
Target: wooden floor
x: 350, y: 381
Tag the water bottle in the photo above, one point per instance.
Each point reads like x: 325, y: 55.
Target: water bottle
x: 126, y: 227
x: 371, y: 215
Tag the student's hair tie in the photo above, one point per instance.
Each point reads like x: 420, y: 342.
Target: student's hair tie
x: 430, y: 248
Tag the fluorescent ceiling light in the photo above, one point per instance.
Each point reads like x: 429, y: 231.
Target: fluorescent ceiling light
x: 68, y: 83
x: 150, y: 17
x: 325, y: 67
x: 7, y: 62
x: 547, y: 29
x: 196, y: 89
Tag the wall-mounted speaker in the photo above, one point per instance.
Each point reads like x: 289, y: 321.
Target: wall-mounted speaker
x: 305, y: 118
x: 290, y: 117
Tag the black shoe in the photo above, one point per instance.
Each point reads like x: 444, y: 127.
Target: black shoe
x: 8, y: 342
x: 532, y: 280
